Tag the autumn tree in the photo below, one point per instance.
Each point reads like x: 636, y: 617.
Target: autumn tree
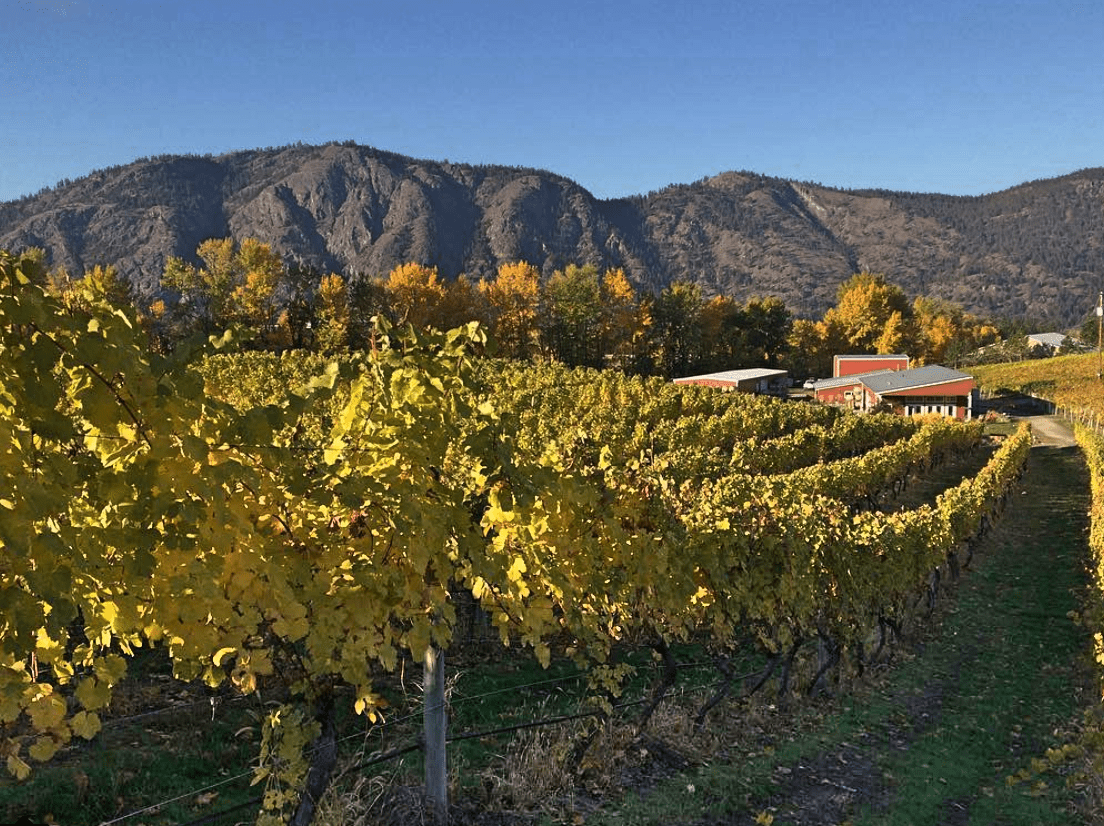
x: 866, y: 305
x: 512, y: 300
x: 235, y: 285
x: 947, y: 332
x: 415, y: 295
x: 623, y: 322
x: 255, y: 297
x: 102, y: 282
x: 332, y: 312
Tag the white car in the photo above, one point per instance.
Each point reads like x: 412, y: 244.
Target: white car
x: 809, y: 384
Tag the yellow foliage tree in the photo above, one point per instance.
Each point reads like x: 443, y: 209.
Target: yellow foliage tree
x: 624, y: 320
x: 811, y: 346
x: 898, y: 335
x: 257, y: 270
x: 865, y: 305
x: 333, y: 314
x: 236, y: 284
x: 415, y: 294
x: 512, y: 300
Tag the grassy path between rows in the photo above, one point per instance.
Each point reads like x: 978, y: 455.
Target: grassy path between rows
x: 977, y: 691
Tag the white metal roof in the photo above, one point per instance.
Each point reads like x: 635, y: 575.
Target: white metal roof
x: 897, y: 380
x: 736, y: 376
x: 853, y: 378
x: 1048, y: 339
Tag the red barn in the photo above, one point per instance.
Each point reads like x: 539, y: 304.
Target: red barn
x: 930, y: 389
x: 854, y: 365
x: 844, y: 391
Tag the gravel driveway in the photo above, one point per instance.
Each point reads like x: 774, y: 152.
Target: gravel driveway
x: 1053, y: 431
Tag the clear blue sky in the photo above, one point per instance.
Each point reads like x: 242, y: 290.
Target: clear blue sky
x: 623, y: 97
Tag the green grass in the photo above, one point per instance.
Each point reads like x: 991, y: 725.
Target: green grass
x: 131, y: 765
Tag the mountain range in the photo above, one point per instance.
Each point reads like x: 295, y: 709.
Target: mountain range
x: 1032, y: 251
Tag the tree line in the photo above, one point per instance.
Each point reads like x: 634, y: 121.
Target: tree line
x: 579, y: 316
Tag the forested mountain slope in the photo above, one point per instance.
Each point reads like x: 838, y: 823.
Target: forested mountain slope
x: 1033, y: 250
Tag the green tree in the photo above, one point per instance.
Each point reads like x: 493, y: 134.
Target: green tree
x: 751, y: 335
x: 676, y: 334
x: 572, y: 315
x: 767, y: 324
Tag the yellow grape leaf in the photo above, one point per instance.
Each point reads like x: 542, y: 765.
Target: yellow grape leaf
x: 10, y: 707
x: 543, y: 654
x: 47, y: 711
x: 244, y: 681
x: 292, y: 629
x: 516, y: 570
x: 85, y: 724
x: 479, y: 587
x: 18, y: 768
x: 764, y: 818
x: 44, y: 748
x: 110, y: 669
x: 417, y: 639
x: 222, y: 654
x: 368, y: 703
x: 92, y: 693
x: 47, y: 649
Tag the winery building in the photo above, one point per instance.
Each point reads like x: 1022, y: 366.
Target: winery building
x: 852, y: 365
x: 761, y: 380
x: 929, y: 389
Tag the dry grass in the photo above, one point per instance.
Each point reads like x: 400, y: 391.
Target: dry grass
x: 540, y: 772
x: 393, y: 799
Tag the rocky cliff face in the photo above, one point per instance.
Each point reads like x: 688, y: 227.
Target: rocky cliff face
x: 1032, y: 250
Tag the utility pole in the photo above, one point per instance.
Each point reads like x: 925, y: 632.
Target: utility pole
x: 1100, y: 337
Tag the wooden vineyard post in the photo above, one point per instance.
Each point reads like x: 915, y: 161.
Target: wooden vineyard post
x: 433, y: 718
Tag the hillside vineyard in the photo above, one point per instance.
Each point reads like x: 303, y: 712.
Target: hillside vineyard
x: 313, y: 527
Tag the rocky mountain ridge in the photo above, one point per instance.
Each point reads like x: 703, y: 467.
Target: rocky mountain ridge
x: 1034, y: 250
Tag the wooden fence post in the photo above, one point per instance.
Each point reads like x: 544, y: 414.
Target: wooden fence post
x: 433, y: 719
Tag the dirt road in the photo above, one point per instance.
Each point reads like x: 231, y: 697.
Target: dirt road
x: 1052, y: 431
